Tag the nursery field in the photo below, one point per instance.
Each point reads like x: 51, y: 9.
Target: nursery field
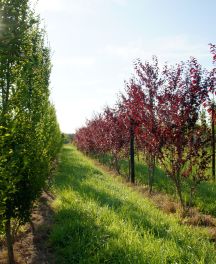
x: 98, y: 218
x: 204, y: 197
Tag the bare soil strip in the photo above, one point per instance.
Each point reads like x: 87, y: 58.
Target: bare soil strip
x: 32, y: 242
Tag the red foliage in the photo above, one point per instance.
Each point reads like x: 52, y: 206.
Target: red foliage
x: 162, y: 108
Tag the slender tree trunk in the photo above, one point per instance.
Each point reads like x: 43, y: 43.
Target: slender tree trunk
x: 192, y: 191
x: 117, y: 167
x: 151, y: 173
x: 149, y: 178
x: 178, y: 187
x: 132, y: 166
x: 129, y: 170
x: 179, y: 191
x: 213, y: 144
x: 9, y: 242
x: 138, y: 156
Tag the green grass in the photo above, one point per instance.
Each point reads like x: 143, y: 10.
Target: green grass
x: 98, y: 219
x: 205, y: 195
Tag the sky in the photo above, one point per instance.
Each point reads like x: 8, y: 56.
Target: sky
x: 94, y: 44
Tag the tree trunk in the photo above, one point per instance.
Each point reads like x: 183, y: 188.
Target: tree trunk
x: 179, y: 192
x: 9, y: 242
x: 129, y: 170
x: 151, y: 173
x: 213, y: 144
x: 117, y: 167
x: 132, y: 166
x: 192, y: 191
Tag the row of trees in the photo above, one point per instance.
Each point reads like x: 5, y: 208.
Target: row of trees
x: 29, y: 133
x: 163, y: 115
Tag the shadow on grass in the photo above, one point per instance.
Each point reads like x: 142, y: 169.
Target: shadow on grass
x: 78, y: 238
x: 81, y: 240
x: 161, y: 181
x: 205, y: 195
x: 135, y: 215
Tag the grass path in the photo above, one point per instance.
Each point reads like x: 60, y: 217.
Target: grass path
x: 98, y: 219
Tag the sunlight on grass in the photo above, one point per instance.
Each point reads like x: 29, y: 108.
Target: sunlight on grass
x: 205, y: 195
x: 100, y: 220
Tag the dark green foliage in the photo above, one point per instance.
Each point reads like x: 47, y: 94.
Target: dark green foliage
x: 29, y: 134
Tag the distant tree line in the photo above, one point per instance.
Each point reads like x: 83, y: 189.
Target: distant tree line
x: 68, y: 138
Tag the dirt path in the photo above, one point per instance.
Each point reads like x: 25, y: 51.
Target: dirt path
x: 32, y: 245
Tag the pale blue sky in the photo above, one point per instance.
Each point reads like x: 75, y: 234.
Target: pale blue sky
x: 94, y: 44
